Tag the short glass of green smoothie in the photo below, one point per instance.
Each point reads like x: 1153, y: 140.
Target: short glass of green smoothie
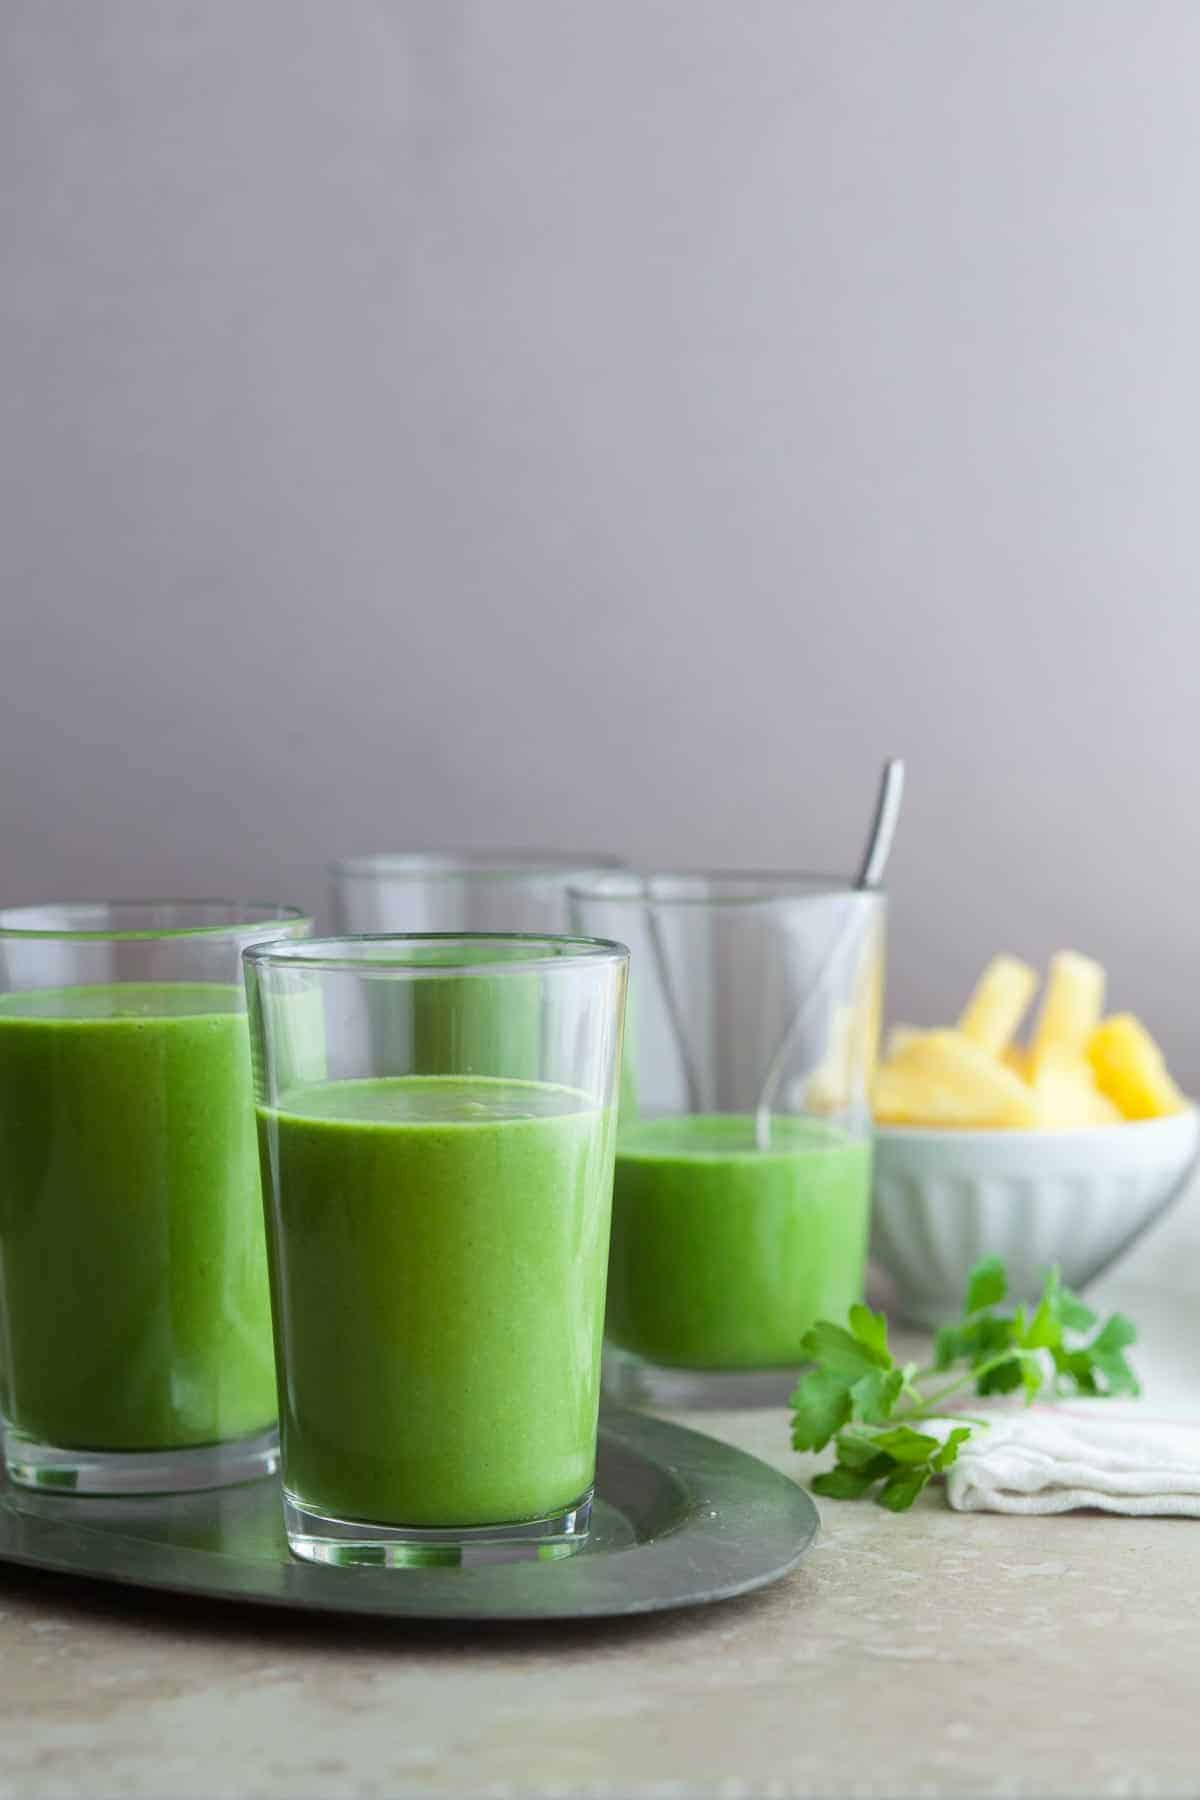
x: 135, y: 1328
x: 743, y: 1170
x: 436, y: 1119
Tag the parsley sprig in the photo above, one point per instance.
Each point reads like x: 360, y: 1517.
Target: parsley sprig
x: 858, y: 1395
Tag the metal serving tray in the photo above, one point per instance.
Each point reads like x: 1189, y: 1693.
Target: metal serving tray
x: 680, y: 1519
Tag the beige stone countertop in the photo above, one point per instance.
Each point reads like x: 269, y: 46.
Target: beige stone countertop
x: 928, y: 1654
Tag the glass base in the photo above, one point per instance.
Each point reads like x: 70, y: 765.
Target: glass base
x: 630, y: 1380
x: 316, y: 1537
x: 31, y: 1464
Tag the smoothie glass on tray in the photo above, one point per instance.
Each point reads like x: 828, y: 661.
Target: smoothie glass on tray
x: 743, y: 1171
x: 436, y: 1120
x: 135, y: 1329
x: 460, y: 890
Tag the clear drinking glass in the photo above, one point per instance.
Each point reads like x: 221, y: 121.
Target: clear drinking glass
x: 436, y: 1122
x: 467, y: 890
x: 135, y: 1329
x: 742, y: 1189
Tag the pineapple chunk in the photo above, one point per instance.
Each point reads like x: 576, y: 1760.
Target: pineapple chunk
x: 1129, y: 1068
x: 1070, y: 1009
x: 898, y: 1037
x: 998, y: 1003
x: 1078, y: 1071
x: 943, y: 1078
x: 1066, y: 1093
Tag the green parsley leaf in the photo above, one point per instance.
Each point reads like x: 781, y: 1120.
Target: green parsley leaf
x: 875, y: 1394
x: 1003, y: 1379
x: 857, y: 1396
x: 1107, y: 1350
x: 858, y: 1448
x: 821, y: 1405
x: 977, y: 1341
x: 839, y: 1351
x: 844, y: 1484
x: 902, y: 1460
x: 870, y: 1328
x: 1044, y: 1331
x: 947, y: 1346
x: 907, y: 1445
x: 1068, y: 1307
x: 1074, y: 1371
x: 948, y: 1453
x: 987, y: 1284
x: 901, y: 1489
x: 1073, y: 1313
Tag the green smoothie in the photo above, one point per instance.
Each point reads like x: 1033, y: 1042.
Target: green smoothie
x: 133, y: 1281
x: 722, y: 1254
x: 438, y: 1248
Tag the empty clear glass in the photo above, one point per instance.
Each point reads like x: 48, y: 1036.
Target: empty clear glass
x: 470, y: 890
x: 436, y: 1121
x: 742, y: 1189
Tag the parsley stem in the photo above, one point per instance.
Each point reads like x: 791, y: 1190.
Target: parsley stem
x: 931, y: 1402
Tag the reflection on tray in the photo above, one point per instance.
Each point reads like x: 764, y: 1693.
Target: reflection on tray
x: 243, y: 1522
x: 681, y: 1519
x: 636, y: 1501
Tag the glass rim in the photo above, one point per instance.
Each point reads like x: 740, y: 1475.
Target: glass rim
x: 246, y: 915
x: 771, y: 887
x: 323, y: 955
x: 470, y: 865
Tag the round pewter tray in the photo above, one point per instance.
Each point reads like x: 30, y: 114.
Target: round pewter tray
x: 680, y: 1519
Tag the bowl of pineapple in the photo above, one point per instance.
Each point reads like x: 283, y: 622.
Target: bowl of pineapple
x: 1062, y: 1149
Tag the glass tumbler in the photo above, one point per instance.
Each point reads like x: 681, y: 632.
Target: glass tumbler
x: 436, y: 1121
x: 135, y: 1329
x: 458, y: 891
x: 470, y: 890
x: 743, y: 1169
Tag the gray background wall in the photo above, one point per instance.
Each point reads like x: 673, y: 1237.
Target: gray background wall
x: 617, y: 422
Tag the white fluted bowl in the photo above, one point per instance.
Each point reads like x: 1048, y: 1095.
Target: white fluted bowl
x: 944, y: 1199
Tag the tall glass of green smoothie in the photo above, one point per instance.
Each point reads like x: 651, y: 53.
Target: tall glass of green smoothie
x: 135, y: 1330
x: 436, y: 1120
x: 743, y: 1168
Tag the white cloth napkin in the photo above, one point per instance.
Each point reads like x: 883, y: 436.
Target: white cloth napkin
x: 1061, y: 1459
